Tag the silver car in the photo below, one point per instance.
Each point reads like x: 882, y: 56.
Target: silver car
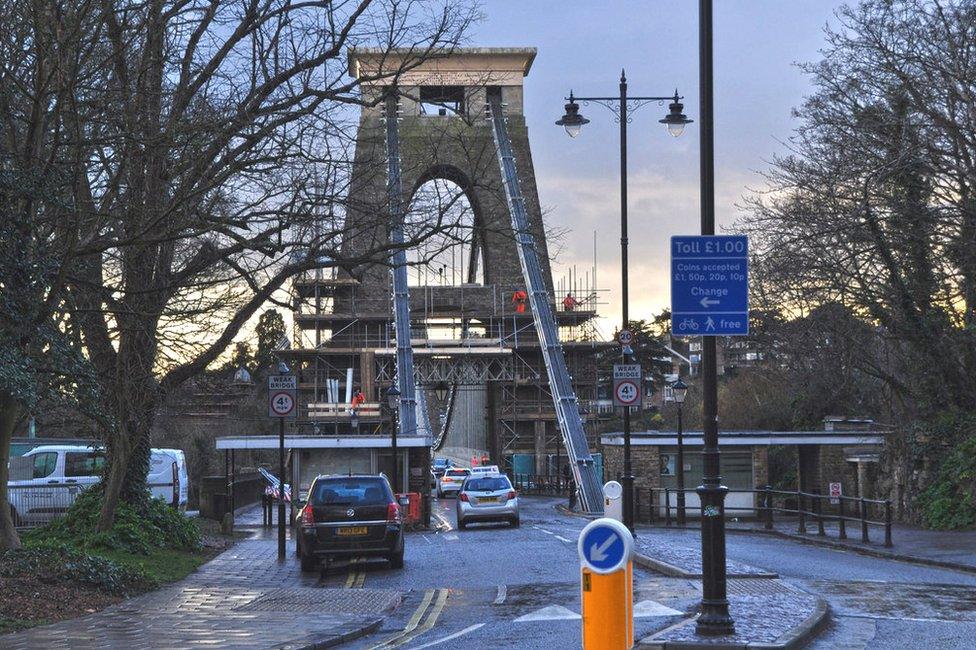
x: 487, y: 498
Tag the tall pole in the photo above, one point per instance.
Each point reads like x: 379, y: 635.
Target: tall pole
x: 281, y: 488
x: 681, y: 470
x: 628, y: 477
x: 714, y: 618
x: 396, y: 460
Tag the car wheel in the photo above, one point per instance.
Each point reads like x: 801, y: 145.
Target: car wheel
x: 516, y: 522
x: 309, y: 562
x: 461, y: 524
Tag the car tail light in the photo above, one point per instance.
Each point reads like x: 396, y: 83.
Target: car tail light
x: 393, y: 513
x: 463, y: 496
x: 511, y: 495
x: 308, y: 516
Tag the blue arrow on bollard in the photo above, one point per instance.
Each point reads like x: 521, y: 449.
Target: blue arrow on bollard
x: 605, y: 545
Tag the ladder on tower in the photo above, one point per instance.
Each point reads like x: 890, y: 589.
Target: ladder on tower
x: 409, y: 405
x: 563, y: 395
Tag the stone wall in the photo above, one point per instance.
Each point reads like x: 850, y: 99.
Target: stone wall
x: 646, y: 463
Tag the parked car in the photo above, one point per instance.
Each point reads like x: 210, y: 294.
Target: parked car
x: 350, y: 516
x: 452, y: 480
x: 47, y: 479
x: 487, y: 498
x: 441, y: 465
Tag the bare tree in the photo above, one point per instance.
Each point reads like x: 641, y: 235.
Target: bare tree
x: 210, y: 141
x: 875, y: 207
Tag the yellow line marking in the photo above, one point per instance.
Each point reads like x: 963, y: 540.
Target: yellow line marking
x: 435, y: 612
x: 356, y: 575
x: 411, y: 624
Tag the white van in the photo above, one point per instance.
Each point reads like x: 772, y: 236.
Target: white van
x: 46, y: 480
x: 167, y: 477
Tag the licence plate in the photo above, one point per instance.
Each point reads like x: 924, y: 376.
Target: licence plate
x: 488, y: 500
x: 352, y: 530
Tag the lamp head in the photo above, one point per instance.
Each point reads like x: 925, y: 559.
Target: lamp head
x: 572, y: 121
x: 675, y: 120
x: 393, y: 397
x: 680, y: 390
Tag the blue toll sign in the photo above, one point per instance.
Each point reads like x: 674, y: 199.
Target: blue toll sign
x: 710, y: 285
x: 605, y: 545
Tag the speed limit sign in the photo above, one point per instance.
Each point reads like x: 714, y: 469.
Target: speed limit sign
x: 625, y: 337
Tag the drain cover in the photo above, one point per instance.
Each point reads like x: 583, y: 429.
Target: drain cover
x: 337, y: 601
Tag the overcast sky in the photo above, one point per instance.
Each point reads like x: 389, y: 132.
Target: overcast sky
x: 583, y: 46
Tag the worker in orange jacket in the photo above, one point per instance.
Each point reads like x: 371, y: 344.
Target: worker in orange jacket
x: 518, y: 299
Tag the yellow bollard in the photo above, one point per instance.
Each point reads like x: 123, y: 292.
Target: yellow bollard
x: 607, y: 578
x: 608, y: 610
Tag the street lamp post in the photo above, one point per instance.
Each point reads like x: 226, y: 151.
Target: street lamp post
x: 573, y: 122
x: 714, y: 618
x: 393, y: 403
x: 680, y: 390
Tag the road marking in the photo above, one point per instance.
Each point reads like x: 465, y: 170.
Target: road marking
x: 429, y: 622
x: 451, y: 637
x: 544, y: 530
x: 563, y: 539
x: 357, y: 573
x: 411, y: 624
x: 451, y: 538
x: 502, y: 594
x: 647, y: 608
x: 550, y: 613
x: 426, y: 539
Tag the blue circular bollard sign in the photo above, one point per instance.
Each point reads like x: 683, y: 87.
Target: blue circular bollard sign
x: 605, y: 546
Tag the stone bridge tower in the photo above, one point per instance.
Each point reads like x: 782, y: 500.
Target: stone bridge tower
x: 501, y: 405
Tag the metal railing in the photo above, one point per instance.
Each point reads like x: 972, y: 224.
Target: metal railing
x: 805, y: 508
x: 542, y: 484
x: 35, y: 505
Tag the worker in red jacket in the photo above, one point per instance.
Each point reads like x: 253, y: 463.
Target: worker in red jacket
x: 518, y: 299
x: 569, y: 302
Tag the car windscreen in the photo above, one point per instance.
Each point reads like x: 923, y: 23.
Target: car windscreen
x: 440, y: 462
x: 489, y: 484
x: 351, y: 492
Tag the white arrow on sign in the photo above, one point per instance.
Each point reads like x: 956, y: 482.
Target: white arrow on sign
x: 599, y: 553
x: 707, y: 302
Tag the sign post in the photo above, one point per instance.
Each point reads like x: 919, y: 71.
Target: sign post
x: 626, y: 384
x: 282, y: 403
x: 710, y: 285
x: 605, y: 548
x: 835, y: 493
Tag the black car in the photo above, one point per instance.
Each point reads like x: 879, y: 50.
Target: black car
x: 350, y: 516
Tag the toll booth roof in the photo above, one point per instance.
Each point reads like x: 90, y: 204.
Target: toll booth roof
x: 465, y: 66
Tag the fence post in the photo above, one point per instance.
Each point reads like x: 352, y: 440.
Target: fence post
x: 887, y: 515
x: 841, y: 521
x: 769, y: 506
x: 864, y: 521
x: 637, y: 505
x: 802, y: 526
x: 667, y: 506
x: 650, y: 505
x: 819, y: 510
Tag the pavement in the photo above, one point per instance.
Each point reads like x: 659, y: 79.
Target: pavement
x: 955, y: 549
x: 243, y: 598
